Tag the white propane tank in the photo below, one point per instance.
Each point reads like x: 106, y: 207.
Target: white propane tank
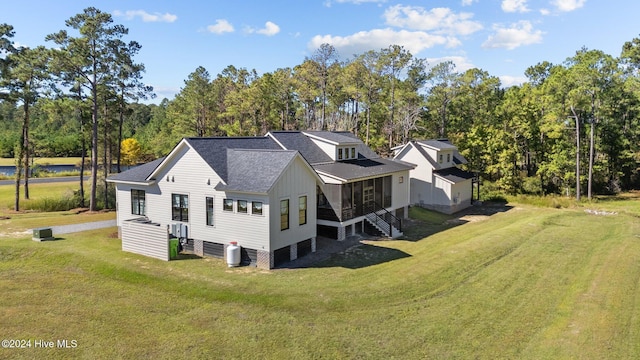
x: 233, y: 254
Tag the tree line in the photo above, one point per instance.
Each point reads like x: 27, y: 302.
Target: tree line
x: 572, y: 128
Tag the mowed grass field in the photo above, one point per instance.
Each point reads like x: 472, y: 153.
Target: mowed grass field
x: 526, y: 283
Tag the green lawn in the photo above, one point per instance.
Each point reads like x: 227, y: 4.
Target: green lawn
x: 527, y: 283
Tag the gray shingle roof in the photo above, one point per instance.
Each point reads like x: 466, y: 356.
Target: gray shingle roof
x: 255, y: 170
x: 296, y: 140
x: 138, y: 173
x: 214, y: 150
x: 339, y: 137
x: 454, y: 174
x: 362, y: 168
x: 438, y: 144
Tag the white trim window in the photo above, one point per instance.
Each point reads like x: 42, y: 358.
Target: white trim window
x: 209, y: 209
x: 302, y: 210
x: 227, y: 205
x: 284, y: 214
x: 180, y: 207
x: 138, y: 200
x: 242, y: 207
x: 256, y: 208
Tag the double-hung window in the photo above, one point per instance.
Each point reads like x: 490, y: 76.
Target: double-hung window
x: 302, y: 210
x: 209, y: 205
x: 284, y: 214
x: 180, y: 207
x: 138, y: 202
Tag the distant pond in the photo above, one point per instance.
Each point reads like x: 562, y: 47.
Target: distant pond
x: 11, y: 170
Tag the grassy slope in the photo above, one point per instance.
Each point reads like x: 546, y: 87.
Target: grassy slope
x: 529, y: 283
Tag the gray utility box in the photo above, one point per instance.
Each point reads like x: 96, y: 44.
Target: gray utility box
x: 42, y: 234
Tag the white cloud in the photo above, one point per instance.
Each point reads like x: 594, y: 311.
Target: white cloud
x: 269, y: 29
x: 568, y: 5
x: 518, y: 34
x: 439, y: 20
x: 512, y: 6
x: 145, y: 16
x: 462, y: 63
x: 220, y: 27
x: 165, y: 92
x: 508, y: 81
x: 468, y: 2
x: 358, y: 43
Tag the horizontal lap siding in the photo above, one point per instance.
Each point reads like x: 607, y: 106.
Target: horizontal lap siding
x: 145, y: 239
x: 248, y: 230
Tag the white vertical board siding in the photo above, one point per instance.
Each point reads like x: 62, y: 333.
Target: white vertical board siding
x: 465, y: 189
x: 421, y: 178
x: 442, y: 192
x: 297, y: 180
x: 145, y: 239
x: 400, y: 192
x: 329, y: 149
x: 432, y: 153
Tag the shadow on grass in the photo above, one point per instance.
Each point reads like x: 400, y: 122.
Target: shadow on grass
x: 187, y: 256
x: 350, y: 254
x: 55, y: 238
x: 361, y: 256
x: 353, y: 253
x: 424, y: 223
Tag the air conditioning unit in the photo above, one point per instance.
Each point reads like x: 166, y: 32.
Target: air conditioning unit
x: 179, y: 230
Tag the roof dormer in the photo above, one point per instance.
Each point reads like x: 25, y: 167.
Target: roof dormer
x: 337, y: 146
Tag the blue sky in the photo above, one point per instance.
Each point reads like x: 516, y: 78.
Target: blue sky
x: 503, y: 37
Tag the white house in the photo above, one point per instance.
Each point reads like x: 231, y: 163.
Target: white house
x: 436, y: 181
x: 272, y: 195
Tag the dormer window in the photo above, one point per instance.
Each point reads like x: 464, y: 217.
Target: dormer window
x: 440, y: 158
x: 448, y: 158
x: 346, y: 153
